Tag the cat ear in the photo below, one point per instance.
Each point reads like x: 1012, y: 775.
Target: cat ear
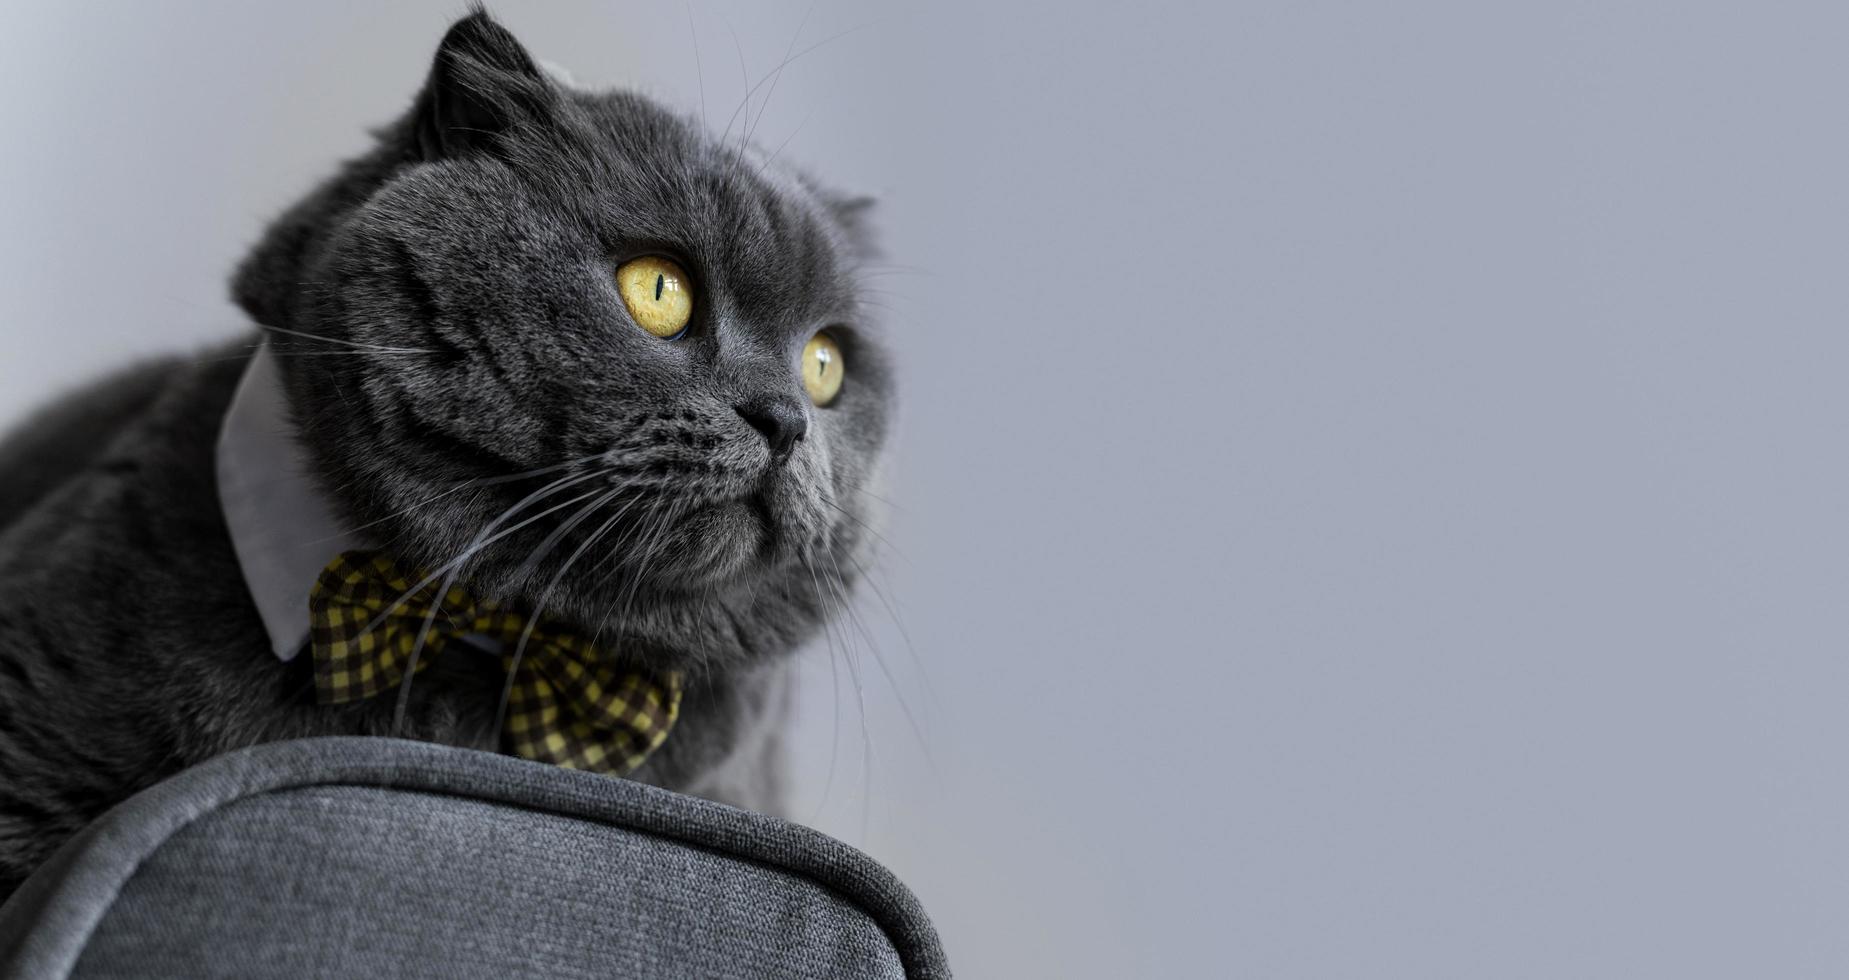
x: 482, y: 83
x: 855, y: 216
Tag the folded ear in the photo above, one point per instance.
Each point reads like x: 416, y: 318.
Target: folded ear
x: 482, y: 84
x: 855, y: 216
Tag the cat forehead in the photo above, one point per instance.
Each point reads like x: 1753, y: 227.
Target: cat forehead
x: 677, y: 152
x: 660, y: 175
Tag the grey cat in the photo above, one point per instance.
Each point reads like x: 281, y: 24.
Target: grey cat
x: 444, y: 314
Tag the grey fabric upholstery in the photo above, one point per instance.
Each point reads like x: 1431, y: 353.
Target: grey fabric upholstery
x: 377, y: 857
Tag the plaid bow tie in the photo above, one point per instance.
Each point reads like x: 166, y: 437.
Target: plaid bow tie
x: 567, y: 705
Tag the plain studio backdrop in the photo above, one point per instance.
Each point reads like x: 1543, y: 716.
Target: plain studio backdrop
x: 1369, y: 498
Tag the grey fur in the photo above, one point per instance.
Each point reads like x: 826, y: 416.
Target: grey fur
x: 481, y: 231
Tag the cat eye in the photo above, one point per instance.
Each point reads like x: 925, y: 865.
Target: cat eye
x: 658, y: 293
x: 823, y: 368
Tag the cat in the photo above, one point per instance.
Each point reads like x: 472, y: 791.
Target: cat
x: 455, y: 351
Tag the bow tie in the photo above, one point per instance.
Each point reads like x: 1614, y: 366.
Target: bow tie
x: 567, y: 704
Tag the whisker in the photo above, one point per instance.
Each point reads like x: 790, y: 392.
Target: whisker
x: 850, y: 515
x: 532, y: 621
x: 362, y: 345
x: 777, y: 73
x: 892, y: 269
x: 904, y: 634
x: 648, y: 554
x: 744, y: 78
x: 482, y: 481
x: 860, y: 698
x: 551, y: 541
x: 873, y: 647
x: 481, y: 542
x: 875, y: 496
x: 768, y: 78
x: 344, y: 353
x: 698, y: 69
x: 454, y: 567
x: 786, y: 141
x: 834, y: 676
x: 613, y: 557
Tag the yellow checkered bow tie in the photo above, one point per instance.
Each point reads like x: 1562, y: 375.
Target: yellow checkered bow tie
x: 568, y: 706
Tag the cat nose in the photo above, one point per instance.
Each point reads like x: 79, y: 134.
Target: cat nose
x: 783, y: 421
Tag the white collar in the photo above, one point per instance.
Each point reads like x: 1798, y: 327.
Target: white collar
x: 282, y: 527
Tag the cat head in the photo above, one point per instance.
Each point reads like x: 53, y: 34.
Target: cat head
x: 592, y: 357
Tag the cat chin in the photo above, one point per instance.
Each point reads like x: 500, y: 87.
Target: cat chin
x: 719, y: 543
x: 741, y: 540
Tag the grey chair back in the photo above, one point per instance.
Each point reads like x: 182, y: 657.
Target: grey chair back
x: 364, y: 857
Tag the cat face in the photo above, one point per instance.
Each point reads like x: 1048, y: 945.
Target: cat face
x: 586, y: 355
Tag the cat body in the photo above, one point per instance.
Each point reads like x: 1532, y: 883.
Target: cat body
x: 454, y: 355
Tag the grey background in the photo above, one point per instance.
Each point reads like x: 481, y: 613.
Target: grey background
x: 1369, y: 499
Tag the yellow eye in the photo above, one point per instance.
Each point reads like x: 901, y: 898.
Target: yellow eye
x: 823, y: 368
x: 658, y: 294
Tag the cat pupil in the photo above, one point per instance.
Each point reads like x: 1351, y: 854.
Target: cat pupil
x: 659, y: 280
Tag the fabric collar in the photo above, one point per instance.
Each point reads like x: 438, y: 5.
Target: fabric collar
x: 282, y: 526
